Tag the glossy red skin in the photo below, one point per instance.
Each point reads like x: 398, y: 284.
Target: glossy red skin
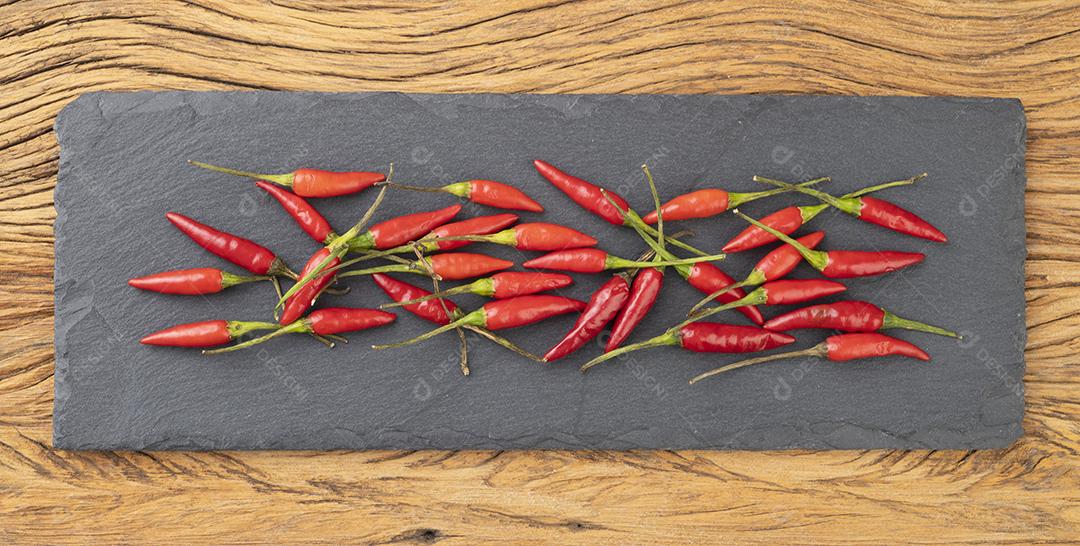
x: 511, y: 284
x: 340, y: 320
x: 708, y: 278
x: 454, y: 266
x: 237, y: 250
x: 503, y: 196
x: 788, y: 292
x: 845, y: 264
x: 301, y: 211
x: 430, y: 310
x: 643, y: 295
x: 785, y: 220
x: 713, y: 337
x: 481, y: 225
x: 578, y: 260
x: 846, y: 316
x: 209, y: 333
x: 525, y: 310
x: 696, y: 204
x: 785, y: 258
x: 186, y: 282
x: 585, y: 194
x: 886, y: 214
x: 544, y: 236
x: 300, y: 302
x: 868, y: 345
x: 400, y: 230
x: 603, y: 306
x: 318, y: 183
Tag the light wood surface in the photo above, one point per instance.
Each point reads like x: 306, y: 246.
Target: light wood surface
x: 52, y: 51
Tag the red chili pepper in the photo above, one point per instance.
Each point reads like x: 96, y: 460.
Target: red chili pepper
x: 585, y: 194
x: 782, y: 292
x: 484, y: 192
x: 401, y: 291
x: 191, y: 282
x: 789, y: 219
x: 532, y: 236
x: 481, y: 225
x: 240, y: 251
x: 323, y: 322
x: 844, y: 264
x: 508, y: 284
x: 872, y: 210
x: 451, y: 266
x: 705, y: 337
x: 504, y: 314
x: 775, y: 265
x: 603, y: 306
x: 400, y: 230
x: 594, y: 260
x: 837, y: 348
x: 712, y: 201
x: 849, y: 316
x: 302, y: 212
x: 310, y: 182
x: 643, y: 294
x: 208, y: 333
x: 297, y: 304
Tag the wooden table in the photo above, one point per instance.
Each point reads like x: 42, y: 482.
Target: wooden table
x: 52, y: 51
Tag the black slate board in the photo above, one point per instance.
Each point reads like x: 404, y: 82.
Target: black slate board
x: 123, y: 166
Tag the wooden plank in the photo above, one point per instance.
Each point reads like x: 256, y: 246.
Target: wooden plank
x: 54, y: 50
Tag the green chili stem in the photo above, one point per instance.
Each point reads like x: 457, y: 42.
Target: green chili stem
x: 395, y: 185
x: 669, y: 337
x: 391, y: 268
x: 871, y: 189
x: 892, y: 321
x: 817, y: 350
x: 463, y: 289
x: 488, y: 334
x: 475, y: 318
x: 849, y: 206
x: 299, y: 326
x: 735, y: 199
x: 285, y: 179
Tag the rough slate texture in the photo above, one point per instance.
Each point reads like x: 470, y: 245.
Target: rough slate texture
x: 123, y: 166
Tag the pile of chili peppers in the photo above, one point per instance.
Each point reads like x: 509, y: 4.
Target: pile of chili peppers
x: 426, y: 244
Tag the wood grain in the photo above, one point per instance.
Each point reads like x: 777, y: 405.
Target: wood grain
x: 53, y: 51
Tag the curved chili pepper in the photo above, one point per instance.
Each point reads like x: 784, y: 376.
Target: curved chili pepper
x: 837, y: 348
x: 643, y: 294
x: 400, y: 230
x: 712, y: 201
x: 705, y: 337
x: 789, y: 219
x: 208, y: 333
x: 508, y: 284
x: 844, y: 264
x: 297, y: 304
x: 322, y: 322
x: 302, y: 212
x: 585, y: 194
x: 191, y: 282
x: 872, y: 210
x: 594, y: 260
x: 310, y: 182
x: 782, y: 292
x: 451, y: 266
x: 481, y: 225
x: 775, y: 265
x: 429, y: 310
x: 603, y: 306
x: 484, y: 192
x: 849, y: 316
x: 242, y: 252
x: 504, y: 314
